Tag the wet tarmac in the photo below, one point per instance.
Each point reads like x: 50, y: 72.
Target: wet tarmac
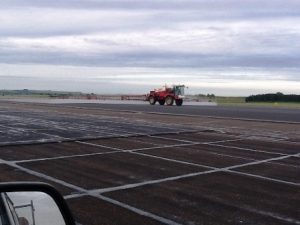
x: 116, y: 167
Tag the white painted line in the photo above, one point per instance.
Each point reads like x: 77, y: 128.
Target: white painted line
x: 222, y: 141
x: 70, y: 196
x: 160, y: 147
x: 196, y: 142
x: 50, y: 135
x: 28, y: 142
x: 264, y: 178
x: 173, y: 139
x: 63, y: 157
x: 262, y: 161
x: 98, y: 145
x: 246, y: 149
x: 172, y: 160
x: 208, y: 152
x: 284, y: 164
x: 137, y: 149
x: 146, y: 142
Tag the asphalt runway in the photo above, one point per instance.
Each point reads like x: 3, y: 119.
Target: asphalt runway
x: 124, y: 168
x: 253, y: 113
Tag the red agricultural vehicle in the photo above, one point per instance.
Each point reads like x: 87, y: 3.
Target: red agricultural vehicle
x: 167, y: 95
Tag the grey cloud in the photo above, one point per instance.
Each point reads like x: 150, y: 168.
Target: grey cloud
x: 154, y: 4
x: 157, y: 13
x: 155, y: 59
x: 217, y: 9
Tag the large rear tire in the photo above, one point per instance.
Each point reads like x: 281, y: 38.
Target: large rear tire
x: 169, y: 100
x: 161, y: 102
x: 179, y: 102
x: 152, y: 100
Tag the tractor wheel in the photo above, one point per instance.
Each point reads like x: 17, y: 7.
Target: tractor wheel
x: 152, y: 100
x: 161, y: 102
x: 169, y: 100
x: 179, y: 102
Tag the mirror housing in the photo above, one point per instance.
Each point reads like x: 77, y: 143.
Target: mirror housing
x: 44, y: 188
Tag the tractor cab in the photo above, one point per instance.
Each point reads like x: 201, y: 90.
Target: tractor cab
x: 178, y: 90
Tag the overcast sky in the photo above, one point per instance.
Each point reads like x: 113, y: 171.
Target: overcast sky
x: 226, y: 47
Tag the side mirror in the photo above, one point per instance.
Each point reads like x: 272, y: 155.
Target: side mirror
x: 33, y: 204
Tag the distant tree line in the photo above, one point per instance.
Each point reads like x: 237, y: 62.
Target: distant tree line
x: 278, y: 97
x: 37, y: 92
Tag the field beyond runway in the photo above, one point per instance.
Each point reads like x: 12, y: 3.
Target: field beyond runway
x: 124, y: 165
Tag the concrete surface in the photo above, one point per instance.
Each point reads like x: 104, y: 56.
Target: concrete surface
x: 115, y: 167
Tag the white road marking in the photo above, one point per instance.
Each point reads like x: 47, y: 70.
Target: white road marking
x: 63, y: 157
x: 246, y: 149
x: 137, y: 149
x: 265, y: 178
x: 173, y: 139
x: 196, y: 142
x: 172, y: 160
x: 262, y: 161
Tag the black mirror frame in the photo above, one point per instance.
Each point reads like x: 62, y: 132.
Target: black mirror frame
x: 41, y: 187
